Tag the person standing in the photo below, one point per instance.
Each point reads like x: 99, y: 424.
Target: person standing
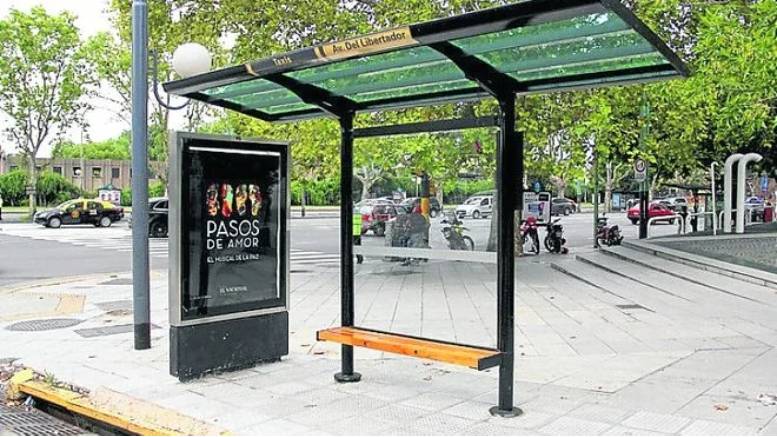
x: 1, y: 207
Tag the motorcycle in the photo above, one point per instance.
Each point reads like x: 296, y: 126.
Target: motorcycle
x: 453, y: 231
x: 554, y: 239
x: 606, y: 234
x: 529, y: 231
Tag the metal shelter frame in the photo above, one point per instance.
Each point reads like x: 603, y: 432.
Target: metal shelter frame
x: 240, y: 88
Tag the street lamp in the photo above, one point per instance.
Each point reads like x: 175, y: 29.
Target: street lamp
x: 189, y: 59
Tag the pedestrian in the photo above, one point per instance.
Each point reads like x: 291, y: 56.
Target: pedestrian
x: 1, y: 207
x: 357, y: 234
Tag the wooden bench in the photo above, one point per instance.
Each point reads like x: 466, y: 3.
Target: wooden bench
x: 474, y: 357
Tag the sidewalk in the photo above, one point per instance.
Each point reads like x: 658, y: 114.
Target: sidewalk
x: 584, y: 365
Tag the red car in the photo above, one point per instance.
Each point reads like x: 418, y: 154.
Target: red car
x: 655, y: 209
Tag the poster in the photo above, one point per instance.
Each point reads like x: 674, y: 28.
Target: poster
x: 232, y: 225
x: 536, y: 205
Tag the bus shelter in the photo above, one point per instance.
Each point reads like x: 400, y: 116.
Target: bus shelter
x: 534, y: 46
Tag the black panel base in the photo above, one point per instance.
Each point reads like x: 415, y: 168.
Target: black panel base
x: 513, y: 412
x: 227, y: 345
x: 344, y: 378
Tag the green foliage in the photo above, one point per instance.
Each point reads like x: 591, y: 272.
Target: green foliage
x: 53, y: 188
x: 155, y: 189
x: 112, y: 148
x: 12, y: 187
x: 43, y: 77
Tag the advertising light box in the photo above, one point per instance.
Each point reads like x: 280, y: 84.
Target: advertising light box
x: 228, y: 230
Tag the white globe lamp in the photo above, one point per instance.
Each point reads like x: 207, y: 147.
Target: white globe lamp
x: 191, y: 59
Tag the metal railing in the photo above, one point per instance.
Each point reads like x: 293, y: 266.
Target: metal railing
x: 677, y: 217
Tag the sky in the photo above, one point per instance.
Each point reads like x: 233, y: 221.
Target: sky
x: 91, y: 19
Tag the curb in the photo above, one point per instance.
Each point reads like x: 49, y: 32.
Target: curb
x: 130, y: 415
x: 14, y: 288
x: 742, y: 273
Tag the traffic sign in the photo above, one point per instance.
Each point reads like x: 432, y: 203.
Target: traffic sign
x: 640, y: 170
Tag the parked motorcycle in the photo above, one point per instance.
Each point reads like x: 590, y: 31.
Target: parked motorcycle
x: 529, y: 233
x: 453, y: 231
x: 554, y: 238
x: 607, y: 234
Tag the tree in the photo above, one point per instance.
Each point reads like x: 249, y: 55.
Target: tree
x: 43, y: 79
x: 112, y: 148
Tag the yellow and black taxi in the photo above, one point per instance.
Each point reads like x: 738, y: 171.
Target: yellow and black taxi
x: 81, y: 211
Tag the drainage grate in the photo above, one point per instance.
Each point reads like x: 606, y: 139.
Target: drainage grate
x: 633, y: 306
x: 108, y: 330
x: 43, y: 325
x: 18, y: 421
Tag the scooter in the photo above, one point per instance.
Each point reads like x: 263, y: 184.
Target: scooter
x: 606, y: 234
x: 453, y: 231
x: 529, y: 231
x: 554, y: 239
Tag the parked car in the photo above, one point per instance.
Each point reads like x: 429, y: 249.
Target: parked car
x: 476, y: 207
x: 411, y: 202
x: 674, y: 203
x: 158, y: 208
x: 374, y: 217
x: 81, y: 211
x: 562, y: 206
x: 366, y: 204
x: 756, y: 207
x: 655, y: 209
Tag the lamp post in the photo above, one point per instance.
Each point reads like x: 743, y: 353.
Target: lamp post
x: 189, y: 61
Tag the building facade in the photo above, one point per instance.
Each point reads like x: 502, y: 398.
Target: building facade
x: 87, y: 174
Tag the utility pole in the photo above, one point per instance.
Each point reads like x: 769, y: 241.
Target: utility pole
x: 644, y: 114
x: 140, y: 273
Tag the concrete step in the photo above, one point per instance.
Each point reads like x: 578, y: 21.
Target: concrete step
x: 673, y: 284
x: 691, y: 272
x: 742, y: 273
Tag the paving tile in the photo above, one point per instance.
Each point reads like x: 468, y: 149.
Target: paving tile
x: 274, y: 427
x: 470, y: 410
x: 663, y: 423
x: 622, y: 430
x: 599, y: 413
x: 493, y: 428
x: 572, y: 426
x: 706, y: 427
x: 530, y: 419
x: 432, y: 401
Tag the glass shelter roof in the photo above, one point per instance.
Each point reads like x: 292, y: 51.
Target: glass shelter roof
x: 527, y: 47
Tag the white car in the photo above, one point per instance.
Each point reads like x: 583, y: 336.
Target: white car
x: 476, y: 207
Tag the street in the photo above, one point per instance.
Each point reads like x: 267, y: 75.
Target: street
x: 32, y: 253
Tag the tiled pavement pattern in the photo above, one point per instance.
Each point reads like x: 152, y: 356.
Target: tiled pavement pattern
x: 597, y: 353
x: 760, y: 252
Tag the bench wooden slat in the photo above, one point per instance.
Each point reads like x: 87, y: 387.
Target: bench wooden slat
x: 473, y: 357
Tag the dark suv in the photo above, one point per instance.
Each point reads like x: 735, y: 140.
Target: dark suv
x: 157, y: 217
x: 562, y: 206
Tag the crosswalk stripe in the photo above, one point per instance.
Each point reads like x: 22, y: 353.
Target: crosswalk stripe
x: 120, y: 240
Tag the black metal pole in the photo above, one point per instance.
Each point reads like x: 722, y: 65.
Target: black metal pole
x: 509, y: 174
x: 346, y: 244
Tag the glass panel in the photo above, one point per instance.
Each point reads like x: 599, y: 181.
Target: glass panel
x: 427, y: 266
x: 293, y: 107
x: 590, y: 49
x: 368, y: 64
x: 554, y: 32
x: 237, y: 89
x: 604, y: 81
x: 413, y: 90
x: 280, y: 96
x: 592, y: 67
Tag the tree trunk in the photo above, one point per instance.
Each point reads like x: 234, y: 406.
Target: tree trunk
x: 302, y: 201
x: 32, y: 183
x: 608, y: 188
x: 494, y: 231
